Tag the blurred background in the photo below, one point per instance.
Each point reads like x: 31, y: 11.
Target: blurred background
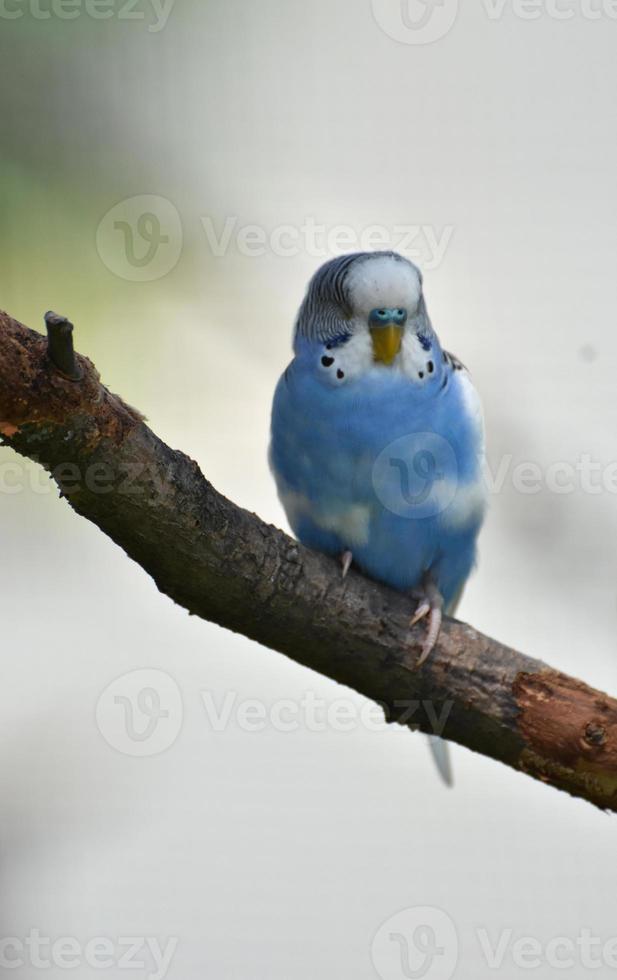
x: 171, y: 175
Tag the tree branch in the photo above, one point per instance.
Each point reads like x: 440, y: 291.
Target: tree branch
x: 224, y: 564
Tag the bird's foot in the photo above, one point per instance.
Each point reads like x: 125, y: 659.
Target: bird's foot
x: 346, y: 560
x: 430, y: 603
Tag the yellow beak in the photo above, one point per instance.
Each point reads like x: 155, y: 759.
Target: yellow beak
x: 386, y: 343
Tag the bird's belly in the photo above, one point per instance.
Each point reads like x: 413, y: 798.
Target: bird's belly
x: 399, y: 513
x: 401, y: 491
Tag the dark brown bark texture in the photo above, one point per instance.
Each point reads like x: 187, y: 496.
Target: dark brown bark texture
x: 227, y: 566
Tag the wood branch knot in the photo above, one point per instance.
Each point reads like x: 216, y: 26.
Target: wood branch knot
x: 60, y: 346
x: 595, y: 734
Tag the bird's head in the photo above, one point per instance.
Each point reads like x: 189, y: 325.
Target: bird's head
x: 372, y: 298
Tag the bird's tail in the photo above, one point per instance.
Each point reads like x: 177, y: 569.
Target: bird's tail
x: 441, y: 757
x: 440, y: 750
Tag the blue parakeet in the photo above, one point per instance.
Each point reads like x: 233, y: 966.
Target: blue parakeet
x: 377, y: 439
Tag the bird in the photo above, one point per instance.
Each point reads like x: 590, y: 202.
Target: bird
x: 377, y: 439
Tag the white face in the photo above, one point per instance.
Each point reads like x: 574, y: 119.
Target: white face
x: 383, y: 282
x: 383, y: 294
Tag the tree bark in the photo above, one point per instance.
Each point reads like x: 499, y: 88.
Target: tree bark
x: 227, y: 566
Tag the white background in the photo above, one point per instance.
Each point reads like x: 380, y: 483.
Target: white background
x: 279, y: 855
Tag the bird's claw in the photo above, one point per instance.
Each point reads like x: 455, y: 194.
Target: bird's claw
x: 432, y: 633
x: 346, y: 560
x: 424, y: 607
x: 430, y: 603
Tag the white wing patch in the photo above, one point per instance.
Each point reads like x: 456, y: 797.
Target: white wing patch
x: 468, y: 505
x: 351, y: 523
